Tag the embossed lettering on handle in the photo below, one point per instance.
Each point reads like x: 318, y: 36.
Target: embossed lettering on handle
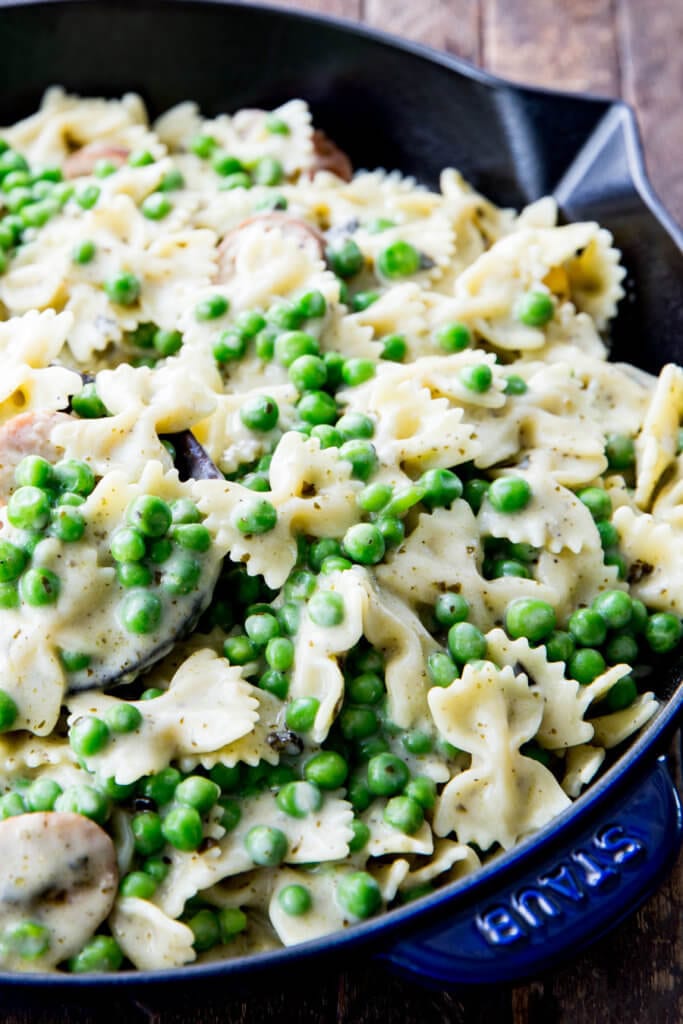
x: 571, y: 881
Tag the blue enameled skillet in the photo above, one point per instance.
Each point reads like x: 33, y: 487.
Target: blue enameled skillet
x: 393, y: 104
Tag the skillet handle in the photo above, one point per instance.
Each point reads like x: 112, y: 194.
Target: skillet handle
x: 571, y: 897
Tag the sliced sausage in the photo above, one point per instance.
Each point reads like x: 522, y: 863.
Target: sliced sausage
x: 327, y: 156
x: 83, y: 160
x: 303, y: 234
x: 26, y: 434
x: 59, y: 871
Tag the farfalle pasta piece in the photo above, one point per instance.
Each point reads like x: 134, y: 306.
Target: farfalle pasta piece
x: 385, y: 839
x: 149, y: 938
x: 581, y: 765
x: 449, y: 862
x: 323, y: 835
x: 653, y: 552
x: 325, y: 916
x: 504, y: 796
x: 657, y: 442
x: 312, y: 492
x: 207, y: 706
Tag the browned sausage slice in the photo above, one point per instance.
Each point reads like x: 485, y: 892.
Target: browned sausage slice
x: 83, y: 160
x: 329, y: 157
x: 26, y: 434
x: 58, y: 871
x: 301, y: 233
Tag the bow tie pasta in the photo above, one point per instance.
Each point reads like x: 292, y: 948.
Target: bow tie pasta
x: 335, y: 556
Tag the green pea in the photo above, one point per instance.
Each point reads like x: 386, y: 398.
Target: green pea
x: 620, y: 451
x: 239, y: 650
x: 359, y: 795
x: 440, y: 488
x: 117, y: 791
x: 83, y: 253
x: 301, y: 713
x: 261, y: 628
x: 387, y: 775
x: 530, y: 618
x: 266, y: 846
x: 184, y: 511
x: 28, y: 508
x: 534, y: 309
x: 394, y: 348
x: 392, y: 530
x: 288, y: 617
x: 399, y: 259
x: 156, y: 206
x: 101, y: 953
x: 639, y: 616
x: 260, y: 413
x: 327, y: 769
x: 300, y: 585
x: 206, y: 930
x: 86, y: 800
x: 450, y: 608
x: 28, y: 940
x: 229, y: 347
x: 621, y: 648
x: 161, y: 549
x: 161, y: 786
x: 587, y: 627
x: 123, y: 717
x: 586, y: 664
x: 454, y: 337
x: 268, y: 171
x: 312, y: 305
x: 295, y: 900
x: 356, y: 371
x: 276, y: 125
x: 87, y: 197
x: 316, y: 407
x: 35, y: 215
x: 367, y: 688
x: 597, y: 501
x: 308, y: 373
x: 614, y: 607
x: 559, y: 646
x: 140, y: 612
x: 322, y: 549
x: 404, y: 813
x: 286, y: 316
x: 150, y: 515
x: 441, y: 668
x: 240, y: 179
x: 42, y: 794
x: 257, y: 516
x: 515, y: 385
x: 167, y: 343
x: 11, y: 805
x: 354, y: 425
x: 104, y: 168
x: 344, y: 258
x: 474, y: 492
x: 231, y: 813
x: 477, y: 377
x: 89, y: 736
x: 609, y: 537
x: 335, y: 563
x: 279, y: 653
x: 364, y: 543
x: 138, y: 885
x: 298, y: 799
x: 417, y: 742
x: 357, y: 723
x: 359, y: 894
x: 182, y: 828
x: 226, y: 165
x: 152, y: 693
x: 13, y: 561
x: 274, y: 682
x: 88, y: 404
x: 225, y: 776
x: 615, y: 558
x: 198, y: 792
x: 374, y: 497
x: 15, y: 179
x: 509, y: 494
x: 133, y: 574
x: 363, y: 300
x: 622, y: 694
x: 39, y: 587
x: 663, y: 632
x: 156, y: 868
x: 123, y: 288
x: 466, y: 642
x: 9, y: 595
x: 326, y: 609
x: 423, y: 790
x: 231, y: 921
x: 211, y: 308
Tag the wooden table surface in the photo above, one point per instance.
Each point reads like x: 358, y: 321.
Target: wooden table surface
x: 628, y: 48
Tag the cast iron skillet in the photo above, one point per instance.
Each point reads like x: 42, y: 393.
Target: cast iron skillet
x: 394, y: 104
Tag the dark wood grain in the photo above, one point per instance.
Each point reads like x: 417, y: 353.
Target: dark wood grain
x: 635, y: 976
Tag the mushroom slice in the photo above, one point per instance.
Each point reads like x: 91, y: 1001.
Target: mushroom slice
x: 58, y: 874
x: 26, y: 434
x: 82, y: 161
x: 305, y: 235
x: 329, y: 157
